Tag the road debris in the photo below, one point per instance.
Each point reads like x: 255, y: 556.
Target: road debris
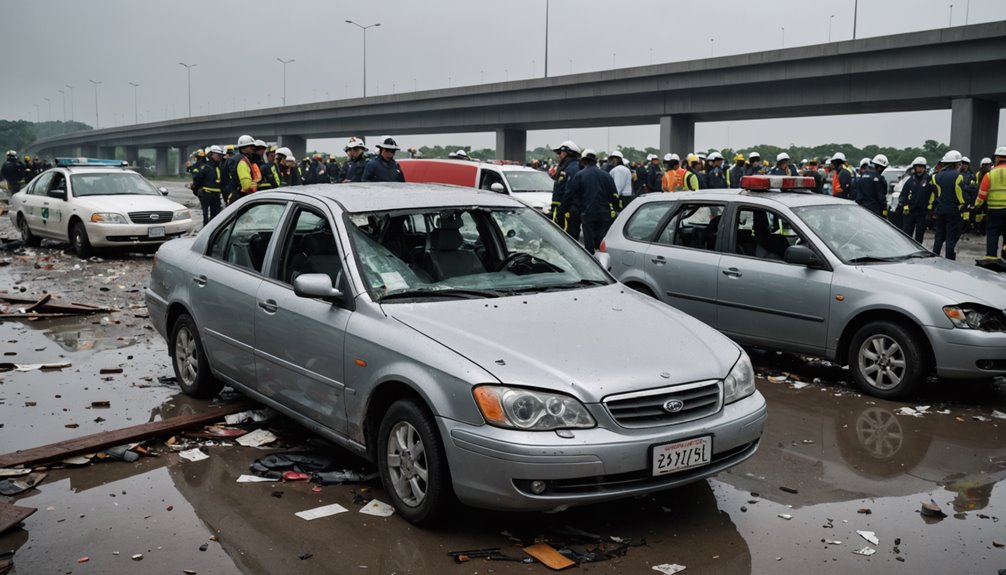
x: 377, y: 508
x: 254, y: 479
x: 345, y: 476
x: 867, y: 551
x: 257, y: 438
x: 864, y: 510
x: 34, y: 366
x: 931, y: 509
x: 669, y: 568
x: 870, y: 536
x: 14, y: 486
x: 256, y: 415
x: 137, y: 557
x: 788, y: 489
x: 194, y: 454
x: 12, y: 515
x: 785, y: 516
x: 13, y: 307
x: 319, y: 512
x: 549, y: 556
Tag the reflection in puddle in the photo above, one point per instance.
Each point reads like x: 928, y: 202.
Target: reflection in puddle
x: 86, y: 333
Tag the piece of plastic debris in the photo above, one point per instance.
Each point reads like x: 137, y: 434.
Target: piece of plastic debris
x: 998, y: 414
x: 864, y: 510
x: 319, y: 512
x: 295, y: 476
x: 788, y: 489
x: 305, y: 556
x: 998, y: 544
x: 109, y: 370
x: 14, y: 472
x: 980, y: 418
x: 273, y: 466
x: 834, y: 542
x: 869, y: 536
x: 777, y: 378
x: 257, y: 438
x: 254, y: 479
x: 14, y: 486
x: 122, y: 453
x: 137, y: 557
x: 84, y: 559
x: 101, y: 404
x: 799, y: 385
x: 188, y: 572
x: 194, y: 454
x: 669, y: 568
x: 377, y: 508
x: 257, y: 415
x: 867, y: 551
x: 346, y: 476
x: 785, y: 516
x: 908, y: 411
x: 204, y: 546
x: 931, y: 509
x: 33, y: 366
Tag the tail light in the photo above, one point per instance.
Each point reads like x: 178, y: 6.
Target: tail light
x: 603, y: 248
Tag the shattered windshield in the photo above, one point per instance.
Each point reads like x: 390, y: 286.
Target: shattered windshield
x: 467, y: 253
x: 856, y: 236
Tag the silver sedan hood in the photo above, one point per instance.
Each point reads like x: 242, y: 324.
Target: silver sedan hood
x: 591, y: 343
x: 959, y: 282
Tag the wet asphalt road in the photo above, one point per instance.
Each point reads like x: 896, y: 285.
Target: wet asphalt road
x: 827, y: 454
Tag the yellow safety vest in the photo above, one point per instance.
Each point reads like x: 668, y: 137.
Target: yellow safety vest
x: 996, y: 195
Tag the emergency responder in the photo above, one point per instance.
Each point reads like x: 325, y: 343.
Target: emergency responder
x: 948, y: 204
x: 12, y: 172
x: 841, y: 177
x: 872, y: 187
x: 197, y: 162
x: 267, y: 167
x: 754, y: 167
x: 811, y: 172
x: 569, y: 164
x: 352, y: 170
x: 916, y: 195
x: 654, y: 174
x: 592, y: 194
x: 736, y: 172
x: 289, y: 171
x: 333, y: 169
x: 970, y: 193
x: 716, y: 178
x: 384, y: 168
x: 231, y: 185
x: 317, y: 172
x: 27, y: 170
x: 639, y: 178
x: 622, y: 178
x: 993, y: 193
x: 699, y: 169
x: 207, y: 183
x: 782, y: 166
x: 246, y: 174
x: 690, y: 180
x: 671, y: 180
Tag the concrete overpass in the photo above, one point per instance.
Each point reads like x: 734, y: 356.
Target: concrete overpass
x: 959, y: 68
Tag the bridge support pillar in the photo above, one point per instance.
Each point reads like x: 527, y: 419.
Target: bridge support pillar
x: 106, y: 152
x: 677, y: 134
x: 86, y: 151
x: 511, y: 144
x: 296, y: 144
x: 185, y: 155
x: 132, y: 155
x: 161, y: 161
x: 974, y: 125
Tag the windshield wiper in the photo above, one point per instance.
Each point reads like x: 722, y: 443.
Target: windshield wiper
x: 919, y: 254
x: 871, y: 259
x: 557, y: 287
x: 459, y: 293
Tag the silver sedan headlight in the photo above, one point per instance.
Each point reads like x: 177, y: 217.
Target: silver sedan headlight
x: 974, y: 316
x: 739, y: 383
x: 529, y: 410
x: 181, y: 215
x: 108, y: 218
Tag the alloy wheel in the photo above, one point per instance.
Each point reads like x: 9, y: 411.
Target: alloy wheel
x: 882, y: 362
x: 407, y: 464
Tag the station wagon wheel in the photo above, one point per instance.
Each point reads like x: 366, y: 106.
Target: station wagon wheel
x: 81, y: 244
x: 192, y: 370
x: 886, y: 360
x: 413, y: 464
x: 27, y: 237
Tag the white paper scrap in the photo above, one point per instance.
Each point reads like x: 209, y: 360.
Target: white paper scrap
x: 319, y: 512
x: 254, y: 479
x: 777, y: 378
x: 799, y: 384
x: 869, y: 536
x: 256, y: 438
x: 785, y: 516
x: 669, y: 568
x: 236, y: 418
x: 908, y: 411
x: 194, y: 454
x: 998, y: 414
x: 865, y: 551
x: 378, y: 508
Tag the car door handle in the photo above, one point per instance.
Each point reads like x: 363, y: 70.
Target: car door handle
x: 659, y: 260
x: 732, y: 272
x: 269, y: 305
x: 200, y: 280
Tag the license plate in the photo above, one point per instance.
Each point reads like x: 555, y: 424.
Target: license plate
x: 680, y: 455
x: 157, y: 232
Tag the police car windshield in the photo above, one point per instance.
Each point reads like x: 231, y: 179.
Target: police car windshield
x: 857, y: 236
x: 528, y: 181
x: 111, y: 184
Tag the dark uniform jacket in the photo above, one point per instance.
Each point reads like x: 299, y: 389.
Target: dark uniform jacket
x: 563, y: 176
x: 380, y: 170
x: 592, y: 191
x: 949, y: 192
x: 210, y: 177
x: 916, y: 192
x: 871, y: 191
x: 352, y: 170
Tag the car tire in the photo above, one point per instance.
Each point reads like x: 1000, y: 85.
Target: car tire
x: 192, y: 370
x: 886, y: 360
x: 29, y: 239
x: 409, y: 447
x: 79, y: 240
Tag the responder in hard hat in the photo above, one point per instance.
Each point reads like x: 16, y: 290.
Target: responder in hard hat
x: 639, y: 177
x: 352, y: 169
x: 12, y: 172
x: 267, y: 166
x: 208, y: 184
x: 622, y: 177
x: 384, y: 168
x: 316, y: 172
x: 592, y: 194
x: 691, y: 180
x: 289, y: 171
x: 754, y: 167
x: 246, y: 174
x: 736, y: 172
x: 872, y: 187
x: 782, y: 166
x: 948, y: 203
x: 673, y: 172
x: 811, y: 171
x: 654, y: 175
x: 916, y: 197
x: 993, y: 194
x: 841, y: 177
x: 716, y: 177
x: 333, y: 169
x: 569, y: 164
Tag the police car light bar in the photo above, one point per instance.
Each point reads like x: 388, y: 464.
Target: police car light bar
x: 777, y: 183
x: 67, y: 162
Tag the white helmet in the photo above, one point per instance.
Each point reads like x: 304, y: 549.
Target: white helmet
x: 260, y: 144
x: 245, y: 140
x: 782, y: 156
x: 354, y: 142
x: 589, y: 154
x: 864, y: 162
x: 881, y: 160
x: 715, y: 156
x: 616, y: 154
x: 214, y: 149
x: 285, y: 152
x: 754, y: 156
x: 920, y: 161
x: 651, y: 157
x: 461, y: 154
x: 986, y: 161
x: 965, y: 160
x: 569, y: 147
x: 1000, y: 151
x: 951, y: 157
x: 701, y: 155
x: 837, y: 156
x: 671, y: 158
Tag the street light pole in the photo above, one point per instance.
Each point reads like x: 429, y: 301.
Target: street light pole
x: 284, y: 62
x: 97, y: 122
x: 783, y: 28
x: 188, y: 73
x: 712, y: 42
x: 855, y: 18
x: 950, y: 21
x: 136, y: 112
x: 64, y: 103
x: 71, y: 101
x: 546, y: 37
x: 830, y: 20
x: 364, y: 28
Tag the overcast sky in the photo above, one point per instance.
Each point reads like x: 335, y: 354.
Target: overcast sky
x: 428, y: 44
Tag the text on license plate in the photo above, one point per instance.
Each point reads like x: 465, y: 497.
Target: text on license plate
x: 157, y: 232
x: 686, y: 454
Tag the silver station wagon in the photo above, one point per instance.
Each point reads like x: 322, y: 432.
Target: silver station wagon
x: 459, y: 340
x: 816, y: 275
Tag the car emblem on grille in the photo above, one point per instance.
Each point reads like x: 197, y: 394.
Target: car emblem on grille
x: 155, y: 217
x: 673, y: 405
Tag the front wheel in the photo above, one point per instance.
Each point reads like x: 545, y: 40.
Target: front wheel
x: 80, y: 241
x: 886, y: 360
x: 27, y: 237
x: 413, y: 464
x: 192, y: 369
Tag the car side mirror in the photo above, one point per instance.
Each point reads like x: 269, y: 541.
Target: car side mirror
x: 802, y: 256
x: 497, y: 187
x: 163, y: 190
x: 316, y: 286
x: 58, y: 194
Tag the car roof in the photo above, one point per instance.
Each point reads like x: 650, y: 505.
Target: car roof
x: 789, y: 199
x: 382, y: 196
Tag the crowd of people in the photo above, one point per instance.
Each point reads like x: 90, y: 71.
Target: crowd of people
x: 19, y: 171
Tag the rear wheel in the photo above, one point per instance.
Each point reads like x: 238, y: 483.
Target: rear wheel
x: 80, y: 241
x: 189, y: 360
x: 886, y: 360
x: 27, y: 237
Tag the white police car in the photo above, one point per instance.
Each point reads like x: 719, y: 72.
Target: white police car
x: 96, y: 204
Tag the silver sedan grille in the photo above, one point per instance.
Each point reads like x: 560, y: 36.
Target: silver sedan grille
x: 666, y: 406
x: 150, y: 217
